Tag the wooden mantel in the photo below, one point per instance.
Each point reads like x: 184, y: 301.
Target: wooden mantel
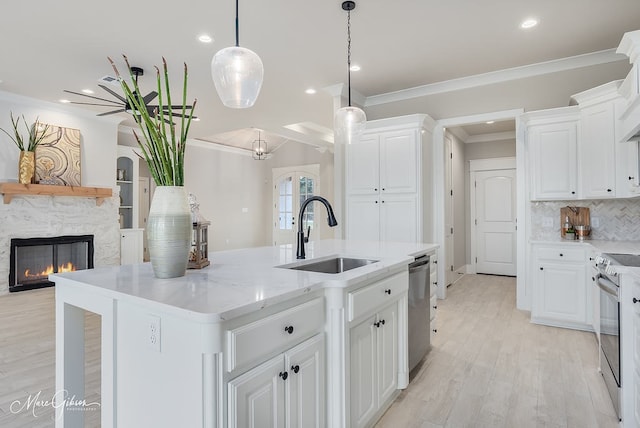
x: 9, y: 190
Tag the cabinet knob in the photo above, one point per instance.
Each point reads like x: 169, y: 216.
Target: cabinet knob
x: 375, y: 190
x: 636, y: 300
x: 376, y: 202
x: 561, y: 255
x: 382, y: 322
x: 435, y: 283
x: 383, y: 189
x: 573, y: 193
x: 435, y: 307
x: 631, y: 178
x: 377, y: 324
x: 295, y: 368
x: 609, y: 190
x: 284, y: 375
x: 289, y: 329
x: 435, y: 330
x: 435, y: 262
x: 593, y: 278
x: 388, y: 291
x: 383, y: 202
x: 541, y: 268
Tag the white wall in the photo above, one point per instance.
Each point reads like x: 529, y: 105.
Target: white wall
x: 233, y: 191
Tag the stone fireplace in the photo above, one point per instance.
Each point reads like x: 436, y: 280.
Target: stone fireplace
x: 32, y: 260
x: 38, y: 217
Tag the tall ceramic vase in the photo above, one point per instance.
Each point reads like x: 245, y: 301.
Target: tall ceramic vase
x: 169, y: 231
x: 26, y: 167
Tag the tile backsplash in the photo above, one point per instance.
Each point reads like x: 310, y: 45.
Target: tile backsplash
x: 611, y: 219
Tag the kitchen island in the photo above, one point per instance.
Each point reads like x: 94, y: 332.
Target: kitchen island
x: 244, y: 342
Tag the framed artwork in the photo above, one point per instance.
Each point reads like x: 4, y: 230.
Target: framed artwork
x: 58, y: 157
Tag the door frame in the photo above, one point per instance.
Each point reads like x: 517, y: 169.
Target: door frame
x: 523, y: 298
x: 477, y: 165
x: 311, y: 169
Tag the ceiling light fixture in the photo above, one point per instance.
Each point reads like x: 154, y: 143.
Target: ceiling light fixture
x: 64, y: 101
x: 310, y: 91
x: 237, y: 74
x: 259, y: 148
x: 205, y: 38
x: 354, y: 68
x: 349, y: 122
x: 529, y: 23
x: 87, y: 91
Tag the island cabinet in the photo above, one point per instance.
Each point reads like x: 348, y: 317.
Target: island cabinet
x: 367, y: 326
x: 286, y: 390
x: 561, y: 295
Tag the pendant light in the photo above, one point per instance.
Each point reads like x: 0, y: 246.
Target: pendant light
x: 259, y: 148
x: 237, y: 74
x: 349, y: 122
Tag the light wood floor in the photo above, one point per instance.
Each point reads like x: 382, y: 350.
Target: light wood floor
x: 490, y: 367
x: 27, y: 360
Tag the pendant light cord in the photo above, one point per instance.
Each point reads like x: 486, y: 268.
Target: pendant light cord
x: 237, y: 25
x: 349, y: 53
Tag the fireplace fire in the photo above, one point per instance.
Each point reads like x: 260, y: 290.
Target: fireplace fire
x: 34, y: 259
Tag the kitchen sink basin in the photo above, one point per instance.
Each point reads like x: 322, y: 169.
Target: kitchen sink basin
x: 334, y: 265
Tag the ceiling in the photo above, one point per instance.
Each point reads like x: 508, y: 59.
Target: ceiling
x: 399, y: 45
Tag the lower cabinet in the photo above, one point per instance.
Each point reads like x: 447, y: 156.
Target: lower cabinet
x: 630, y: 349
x: 560, y: 292
x: 433, y: 310
x: 374, y: 364
x: 131, y: 246
x: 286, y: 391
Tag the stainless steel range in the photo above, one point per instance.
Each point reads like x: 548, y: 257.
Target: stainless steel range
x: 609, y: 284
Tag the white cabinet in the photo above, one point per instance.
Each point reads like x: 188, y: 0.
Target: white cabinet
x: 374, y: 364
x: 286, y: 391
x: 560, y: 287
x: 131, y: 246
x: 552, y: 144
x: 433, y: 301
x: 630, y: 349
x: 384, y: 180
x: 597, y: 151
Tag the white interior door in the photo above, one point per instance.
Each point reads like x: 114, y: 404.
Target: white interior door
x: 495, y: 202
x: 291, y: 186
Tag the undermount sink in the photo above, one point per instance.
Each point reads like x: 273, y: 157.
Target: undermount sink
x: 334, y: 265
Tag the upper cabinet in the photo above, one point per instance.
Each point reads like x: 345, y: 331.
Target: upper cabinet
x: 552, y: 145
x: 386, y: 189
x: 575, y: 151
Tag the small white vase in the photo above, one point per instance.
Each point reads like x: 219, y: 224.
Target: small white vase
x: 169, y: 231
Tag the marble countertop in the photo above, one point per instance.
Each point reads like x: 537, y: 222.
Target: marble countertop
x: 601, y: 246
x: 242, y: 281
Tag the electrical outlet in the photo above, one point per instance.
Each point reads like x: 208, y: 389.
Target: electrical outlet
x: 595, y: 222
x: 547, y: 222
x: 153, y: 332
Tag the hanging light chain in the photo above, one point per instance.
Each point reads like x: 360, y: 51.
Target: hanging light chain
x: 349, y: 53
x: 237, y: 26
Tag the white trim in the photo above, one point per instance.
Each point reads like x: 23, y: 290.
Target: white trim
x: 508, y: 74
x: 219, y: 147
x: 486, y: 138
x: 492, y: 164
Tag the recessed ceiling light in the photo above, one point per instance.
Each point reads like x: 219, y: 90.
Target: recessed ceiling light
x: 196, y: 119
x: 310, y: 91
x: 355, y: 68
x: 489, y: 122
x: 64, y: 101
x: 87, y: 91
x: 205, y: 38
x: 529, y: 23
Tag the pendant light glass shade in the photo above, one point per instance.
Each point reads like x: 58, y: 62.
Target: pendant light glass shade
x: 237, y: 75
x: 348, y: 124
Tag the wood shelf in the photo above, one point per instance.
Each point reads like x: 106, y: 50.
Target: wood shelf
x: 9, y: 190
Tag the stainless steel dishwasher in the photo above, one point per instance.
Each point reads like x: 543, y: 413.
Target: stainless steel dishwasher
x: 419, y: 341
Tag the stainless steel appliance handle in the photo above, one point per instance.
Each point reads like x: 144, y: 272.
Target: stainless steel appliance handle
x: 417, y: 266
x: 607, y: 286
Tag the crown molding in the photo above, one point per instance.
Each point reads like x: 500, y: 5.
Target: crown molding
x: 487, y: 138
x: 531, y: 70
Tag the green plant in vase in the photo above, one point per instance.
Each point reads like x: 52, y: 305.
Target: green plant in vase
x: 163, y: 149
x: 27, y: 163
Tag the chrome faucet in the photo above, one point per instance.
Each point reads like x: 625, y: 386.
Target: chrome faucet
x: 301, y: 238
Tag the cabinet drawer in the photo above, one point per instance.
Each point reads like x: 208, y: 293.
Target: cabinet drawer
x: 562, y: 254
x: 433, y: 324
x: 433, y: 280
x: 254, y: 341
x: 367, y: 299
